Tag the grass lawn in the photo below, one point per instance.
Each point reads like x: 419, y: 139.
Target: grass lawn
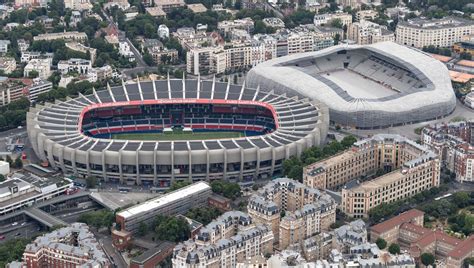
x: 177, y: 136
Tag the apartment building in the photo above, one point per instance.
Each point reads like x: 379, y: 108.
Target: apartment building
x: 168, y: 5
x: 436, y: 32
x: 226, y: 241
x: 7, y: 65
x: 10, y: 90
x: 227, y: 26
x: 368, y: 14
x: 366, y: 33
x: 73, y: 36
x: 27, y: 56
x: 41, y: 66
x: 80, y: 66
x: 38, y: 87
x: 78, y: 4
x: 100, y: 73
x: 4, y: 46
x: 407, y: 230
x: 328, y: 18
x: 176, y: 202
x: 189, y: 38
x: 454, y: 143
x: 307, y: 211
x: 233, y: 55
x: 70, y: 246
x: 409, y: 169
x: 23, y: 45
x: 35, y: 3
x: 274, y: 22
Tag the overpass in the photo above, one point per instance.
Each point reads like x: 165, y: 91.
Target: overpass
x: 44, y: 218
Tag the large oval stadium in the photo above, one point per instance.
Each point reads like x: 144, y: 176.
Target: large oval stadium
x: 155, y: 132
x: 366, y: 87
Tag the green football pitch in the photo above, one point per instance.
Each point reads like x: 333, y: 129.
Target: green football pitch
x: 177, y: 136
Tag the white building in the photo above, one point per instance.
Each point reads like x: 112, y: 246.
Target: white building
x: 21, y: 190
x: 42, y: 66
x: 469, y: 100
x: 163, y: 31
x: 4, y: 46
x: 366, y: 33
x: 101, y: 73
x: 76, y: 17
x: 26, y: 56
x: 327, y: 18
x: 81, y: 66
x: 23, y: 45
x: 435, y: 32
x: 124, y: 50
x: 38, y: 87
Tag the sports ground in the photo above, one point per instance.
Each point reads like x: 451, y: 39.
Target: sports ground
x: 178, y: 136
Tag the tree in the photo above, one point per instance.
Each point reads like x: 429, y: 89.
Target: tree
x: 336, y: 23
x: 9, y: 160
x: 427, y: 259
x: 18, y: 163
x: 394, y: 249
x: 2, y: 178
x: 12, y: 250
x: 461, y: 199
x: 203, y: 215
x: 228, y: 189
x: 296, y: 173
x: 91, y: 182
x: 178, y: 185
x: 171, y: 228
x: 148, y: 59
x: 98, y: 219
x: 381, y: 243
x: 142, y: 229
x: 337, y: 38
x: 33, y: 74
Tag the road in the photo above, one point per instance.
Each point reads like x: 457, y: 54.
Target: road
x: 123, y: 37
x: 275, y: 10
x: 106, y: 243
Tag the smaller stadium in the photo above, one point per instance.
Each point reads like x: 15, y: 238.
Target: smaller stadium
x: 155, y: 132
x: 366, y: 87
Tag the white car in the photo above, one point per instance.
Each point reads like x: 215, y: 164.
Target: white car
x: 15, y: 224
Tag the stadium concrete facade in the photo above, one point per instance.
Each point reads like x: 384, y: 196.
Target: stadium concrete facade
x: 78, y: 136
x: 372, y: 86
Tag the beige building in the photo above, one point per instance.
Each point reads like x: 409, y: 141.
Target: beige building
x: 436, y: 32
x: 368, y: 14
x: 78, y: 4
x: 42, y: 66
x: 218, y: 59
x: 409, y: 169
x: 366, y: 33
x: 74, y: 36
x: 168, y: 5
x: 307, y: 211
x: 83, y: 49
x: 230, y: 239
x: 7, y: 65
x: 328, y: 18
